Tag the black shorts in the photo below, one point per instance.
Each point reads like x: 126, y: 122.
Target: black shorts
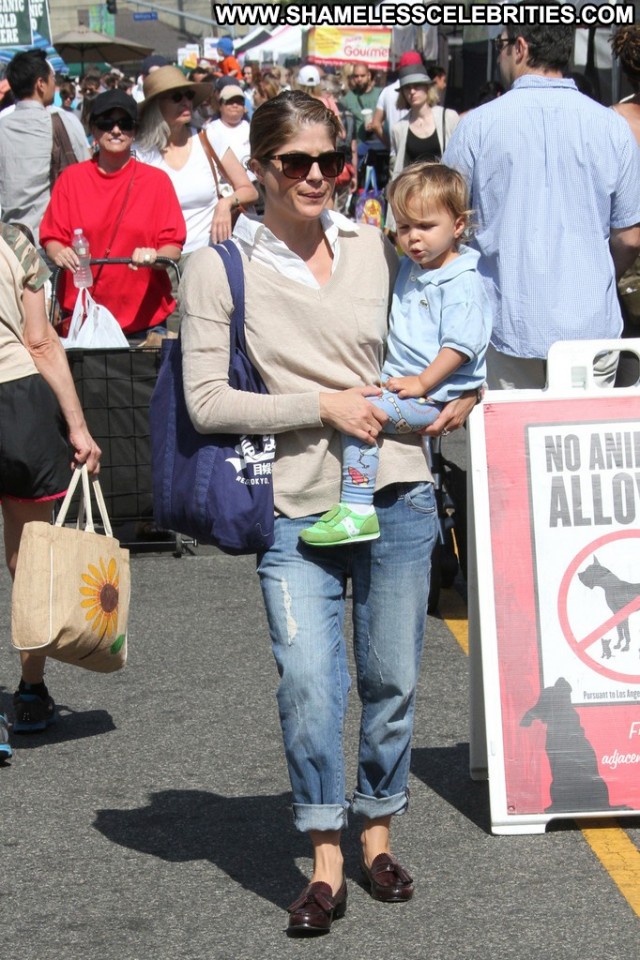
x: 35, y: 457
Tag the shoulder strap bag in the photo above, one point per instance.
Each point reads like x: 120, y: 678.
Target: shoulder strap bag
x: 216, y: 164
x: 62, y: 155
x: 217, y: 487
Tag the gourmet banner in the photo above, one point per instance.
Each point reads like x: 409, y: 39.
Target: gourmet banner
x: 563, y: 487
x: 337, y: 45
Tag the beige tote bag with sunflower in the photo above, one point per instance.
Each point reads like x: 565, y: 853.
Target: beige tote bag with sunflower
x: 72, y: 587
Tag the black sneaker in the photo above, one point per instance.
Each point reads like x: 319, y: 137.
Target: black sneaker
x: 33, y: 711
x: 5, y: 746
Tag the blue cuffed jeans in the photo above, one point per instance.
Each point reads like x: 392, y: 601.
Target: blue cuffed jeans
x: 304, y: 593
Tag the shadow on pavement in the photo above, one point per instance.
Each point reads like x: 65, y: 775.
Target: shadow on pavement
x: 252, y: 839
x: 72, y: 725
x: 446, y: 771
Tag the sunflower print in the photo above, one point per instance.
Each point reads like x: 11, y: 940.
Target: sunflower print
x: 101, y: 593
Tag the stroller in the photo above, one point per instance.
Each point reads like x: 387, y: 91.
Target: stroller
x: 450, y: 552
x: 114, y: 387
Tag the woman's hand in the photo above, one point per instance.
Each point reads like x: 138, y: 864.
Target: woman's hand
x: 453, y: 415
x: 67, y: 258
x: 86, y: 450
x: 221, y: 225
x: 143, y: 256
x: 349, y: 412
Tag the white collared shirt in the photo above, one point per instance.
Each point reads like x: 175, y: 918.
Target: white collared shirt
x: 258, y: 243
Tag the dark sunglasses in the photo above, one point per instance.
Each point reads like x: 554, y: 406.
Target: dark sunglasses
x: 296, y: 166
x: 125, y: 124
x: 501, y: 42
x: 179, y: 95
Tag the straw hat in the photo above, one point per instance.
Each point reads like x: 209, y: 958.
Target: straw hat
x: 165, y: 79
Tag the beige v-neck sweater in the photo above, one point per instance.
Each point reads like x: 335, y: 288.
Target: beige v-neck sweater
x: 303, y: 342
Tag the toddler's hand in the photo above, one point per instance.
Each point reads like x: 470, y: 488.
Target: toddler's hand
x: 405, y: 386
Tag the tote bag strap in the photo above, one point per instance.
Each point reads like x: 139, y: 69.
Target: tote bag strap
x: 81, y: 473
x: 230, y: 256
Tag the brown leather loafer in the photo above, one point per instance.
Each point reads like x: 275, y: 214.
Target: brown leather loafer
x: 315, y: 910
x: 387, y: 880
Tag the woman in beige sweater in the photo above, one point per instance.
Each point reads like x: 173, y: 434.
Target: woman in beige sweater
x: 318, y: 289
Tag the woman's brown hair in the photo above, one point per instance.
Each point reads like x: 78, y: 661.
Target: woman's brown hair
x: 279, y: 120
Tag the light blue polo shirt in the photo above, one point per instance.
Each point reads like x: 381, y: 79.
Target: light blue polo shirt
x: 432, y: 309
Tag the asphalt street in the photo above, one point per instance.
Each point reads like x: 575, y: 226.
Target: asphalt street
x: 152, y: 821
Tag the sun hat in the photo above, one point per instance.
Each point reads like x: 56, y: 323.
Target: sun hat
x: 169, y: 78
x: 409, y: 58
x: 413, y: 74
x: 113, y: 100
x: 231, y: 90
x: 309, y: 76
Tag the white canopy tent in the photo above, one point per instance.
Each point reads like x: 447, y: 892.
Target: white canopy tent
x: 250, y: 40
x: 282, y: 43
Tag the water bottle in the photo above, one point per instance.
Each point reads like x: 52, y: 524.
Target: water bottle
x: 82, y: 277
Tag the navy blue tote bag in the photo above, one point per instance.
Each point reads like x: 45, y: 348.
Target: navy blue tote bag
x: 217, y: 487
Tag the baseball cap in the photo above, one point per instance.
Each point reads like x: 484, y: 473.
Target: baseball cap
x: 231, y: 90
x: 221, y: 82
x: 226, y: 45
x: 308, y: 76
x: 153, y: 60
x: 114, y: 100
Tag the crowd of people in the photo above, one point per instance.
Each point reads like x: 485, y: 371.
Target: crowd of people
x: 513, y: 222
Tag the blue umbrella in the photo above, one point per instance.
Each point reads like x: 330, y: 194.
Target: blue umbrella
x: 54, y: 58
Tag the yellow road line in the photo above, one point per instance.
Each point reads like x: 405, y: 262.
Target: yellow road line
x: 608, y: 841
x: 618, y: 855
x: 453, y: 610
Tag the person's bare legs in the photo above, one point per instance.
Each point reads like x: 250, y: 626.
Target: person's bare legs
x: 15, y: 515
x: 328, y: 862
x: 375, y: 838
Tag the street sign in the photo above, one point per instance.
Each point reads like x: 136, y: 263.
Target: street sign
x: 556, y: 491
x: 146, y: 15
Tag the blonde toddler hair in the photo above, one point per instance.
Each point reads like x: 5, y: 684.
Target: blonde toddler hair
x: 432, y: 185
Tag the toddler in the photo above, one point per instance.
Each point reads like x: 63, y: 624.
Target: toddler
x: 439, y: 330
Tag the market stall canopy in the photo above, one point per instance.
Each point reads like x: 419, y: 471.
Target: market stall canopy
x: 8, y: 53
x: 282, y: 42
x: 259, y: 35
x: 82, y: 45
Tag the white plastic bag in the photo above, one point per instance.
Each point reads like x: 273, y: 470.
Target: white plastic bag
x: 92, y: 326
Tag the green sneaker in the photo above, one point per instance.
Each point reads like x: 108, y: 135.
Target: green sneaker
x: 341, y: 525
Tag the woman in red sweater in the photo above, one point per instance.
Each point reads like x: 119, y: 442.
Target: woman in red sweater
x: 126, y: 209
